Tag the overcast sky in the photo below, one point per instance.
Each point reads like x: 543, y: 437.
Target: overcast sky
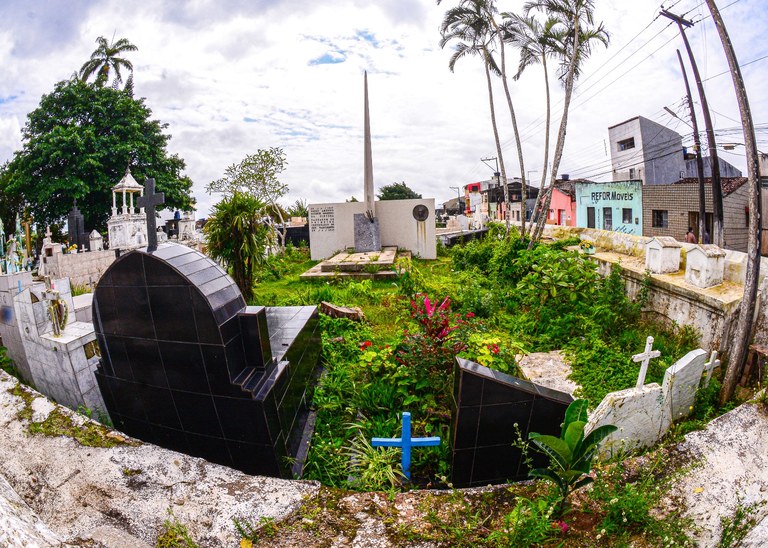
x: 230, y: 77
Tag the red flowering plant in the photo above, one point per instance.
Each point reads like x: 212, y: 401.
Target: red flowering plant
x: 430, y: 350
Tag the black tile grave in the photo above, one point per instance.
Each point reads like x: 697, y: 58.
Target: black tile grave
x: 487, y: 405
x: 188, y: 366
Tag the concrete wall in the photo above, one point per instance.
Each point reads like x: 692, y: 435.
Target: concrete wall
x: 80, y: 268
x: 680, y: 200
x: 331, y: 227
x: 726, y: 169
x: 615, y: 197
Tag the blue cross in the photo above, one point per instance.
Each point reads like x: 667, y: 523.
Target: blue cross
x: 405, y: 441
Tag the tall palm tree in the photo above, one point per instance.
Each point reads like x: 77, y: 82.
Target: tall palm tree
x: 535, y: 42
x: 105, y: 58
x: 502, y: 35
x: 469, y: 23
x: 578, y: 38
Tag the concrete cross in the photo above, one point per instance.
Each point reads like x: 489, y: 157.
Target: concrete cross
x: 709, y: 366
x: 405, y: 441
x: 149, y: 201
x: 645, y: 358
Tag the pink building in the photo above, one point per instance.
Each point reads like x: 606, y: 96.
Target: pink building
x: 562, y: 208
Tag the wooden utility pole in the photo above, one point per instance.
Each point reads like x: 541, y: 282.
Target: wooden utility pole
x: 699, y: 160
x: 743, y: 333
x: 717, y: 189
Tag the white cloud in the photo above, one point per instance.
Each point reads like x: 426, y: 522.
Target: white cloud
x: 232, y: 77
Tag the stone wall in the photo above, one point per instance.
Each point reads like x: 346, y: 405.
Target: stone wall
x: 331, y: 227
x: 80, y: 268
x: 9, y: 327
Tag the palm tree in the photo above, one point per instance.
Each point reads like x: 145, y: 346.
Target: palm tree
x: 575, y: 46
x: 105, y: 58
x: 237, y: 236
x: 469, y: 23
x: 535, y: 42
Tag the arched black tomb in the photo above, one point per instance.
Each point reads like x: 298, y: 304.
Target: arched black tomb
x: 188, y: 366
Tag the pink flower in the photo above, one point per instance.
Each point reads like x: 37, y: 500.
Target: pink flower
x: 560, y: 525
x: 470, y: 314
x: 494, y: 348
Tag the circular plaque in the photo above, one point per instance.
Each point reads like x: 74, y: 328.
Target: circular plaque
x: 421, y: 212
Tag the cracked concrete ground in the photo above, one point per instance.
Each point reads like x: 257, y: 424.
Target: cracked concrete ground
x: 56, y: 492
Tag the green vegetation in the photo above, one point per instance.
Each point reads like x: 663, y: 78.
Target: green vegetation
x: 174, y: 534
x: 570, y: 455
x: 77, y: 145
x: 397, y: 191
x: 237, y: 237
x: 488, y: 301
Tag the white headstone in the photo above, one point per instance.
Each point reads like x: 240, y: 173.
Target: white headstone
x: 681, y: 381
x: 97, y: 241
x: 709, y: 367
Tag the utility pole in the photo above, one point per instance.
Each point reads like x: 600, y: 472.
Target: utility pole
x: 496, y: 176
x: 699, y: 160
x: 743, y: 334
x: 717, y: 190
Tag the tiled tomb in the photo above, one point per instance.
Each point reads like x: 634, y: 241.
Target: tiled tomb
x: 487, y: 406
x: 188, y: 366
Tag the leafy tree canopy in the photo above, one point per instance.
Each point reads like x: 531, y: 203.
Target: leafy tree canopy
x: 237, y: 236
x: 76, y: 146
x: 257, y: 176
x: 397, y: 191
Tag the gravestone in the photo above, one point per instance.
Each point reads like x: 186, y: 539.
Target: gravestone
x: 188, y: 366
x: 76, y: 229
x: 487, y: 406
x: 662, y: 255
x: 644, y: 414
x: 705, y: 266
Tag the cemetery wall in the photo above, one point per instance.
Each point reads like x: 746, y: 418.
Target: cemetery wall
x: 331, y: 227
x: 80, y: 268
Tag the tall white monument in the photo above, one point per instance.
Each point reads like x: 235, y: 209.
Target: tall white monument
x: 367, y: 233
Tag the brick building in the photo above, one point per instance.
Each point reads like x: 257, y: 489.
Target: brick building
x: 668, y: 210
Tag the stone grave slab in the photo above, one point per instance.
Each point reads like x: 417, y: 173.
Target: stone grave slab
x: 681, y: 380
x: 487, y: 405
x: 188, y: 366
x: 376, y: 264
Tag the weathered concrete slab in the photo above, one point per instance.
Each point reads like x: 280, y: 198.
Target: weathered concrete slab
x: 77, y: 491
x: 548, y: 369
x: 729, y: 470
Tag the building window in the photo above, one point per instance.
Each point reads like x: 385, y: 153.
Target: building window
x: 659, y: 218
x: 626, y: 144
x: 631, y: 173
x: 626, y: 215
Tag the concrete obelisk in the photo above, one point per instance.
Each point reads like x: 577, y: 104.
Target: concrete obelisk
x: 367, y: 154
x: 366, y: 225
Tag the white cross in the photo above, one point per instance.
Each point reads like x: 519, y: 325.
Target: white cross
x: 645, y: 357
x: 709, y: 366
x: 48, y: 232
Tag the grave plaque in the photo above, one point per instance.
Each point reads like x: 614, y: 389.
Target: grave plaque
x: 487, y: 406
x: 188, y: 366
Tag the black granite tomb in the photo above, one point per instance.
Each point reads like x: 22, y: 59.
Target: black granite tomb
x: 188, y: 366
x: 76, y: 234
x: 487, y: 405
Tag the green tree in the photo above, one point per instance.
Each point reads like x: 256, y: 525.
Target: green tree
x: 470, y: 24
x: 299, y: 208
x: 10, y: 204
x: 76, y: 146
x: 578, y: 35
x: 107, y: 57
x: 257, y: 175
x: 397, y: 191
x: 237, y: 236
